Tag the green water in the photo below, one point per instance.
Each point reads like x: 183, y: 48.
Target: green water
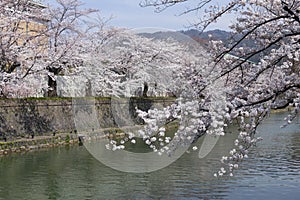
x: 273, y: 172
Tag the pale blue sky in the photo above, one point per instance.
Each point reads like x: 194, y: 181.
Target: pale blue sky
x: 128, y: 14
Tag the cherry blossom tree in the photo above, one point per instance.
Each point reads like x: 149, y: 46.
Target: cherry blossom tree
x: 210, y: 95
x: 235, y: 88
x: 136, y: 62
x: 21, y: 43
x: 44, y: 40
x: 68, y: 29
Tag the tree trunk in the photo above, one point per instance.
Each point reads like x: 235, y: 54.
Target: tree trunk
x: 52, y: 84
x: 52, y: 91
x: 145, y: 89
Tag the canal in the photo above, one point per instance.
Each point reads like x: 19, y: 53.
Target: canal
x: 272, y: 171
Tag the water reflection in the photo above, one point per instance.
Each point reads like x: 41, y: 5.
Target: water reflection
x: 72, y: 173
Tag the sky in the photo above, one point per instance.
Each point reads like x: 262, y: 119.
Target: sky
x: 128, y: 14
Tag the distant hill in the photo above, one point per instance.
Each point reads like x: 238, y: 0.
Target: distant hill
x: 184, y: 36
x: 215, y: 34
x: 225, y: 36
x: 203, y: 38
x: 228, y: 38
x: 197, y: 48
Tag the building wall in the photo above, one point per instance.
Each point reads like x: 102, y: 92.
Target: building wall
x: 23, y: 36
x: 26, y: 24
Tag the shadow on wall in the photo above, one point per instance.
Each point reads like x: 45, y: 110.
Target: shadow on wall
x: 21, y: 118
x: 5, y: 130
x: 29, y: 116
x: 26, y: 118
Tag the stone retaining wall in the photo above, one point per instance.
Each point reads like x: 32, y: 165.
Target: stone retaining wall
x: 36, y: 143
x: 27, y: 118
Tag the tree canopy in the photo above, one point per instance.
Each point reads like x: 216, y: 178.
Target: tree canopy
x: 237, y: 88
x: 211, y: 95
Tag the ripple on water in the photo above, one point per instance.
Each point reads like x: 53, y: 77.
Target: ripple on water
x: 272, y: 172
